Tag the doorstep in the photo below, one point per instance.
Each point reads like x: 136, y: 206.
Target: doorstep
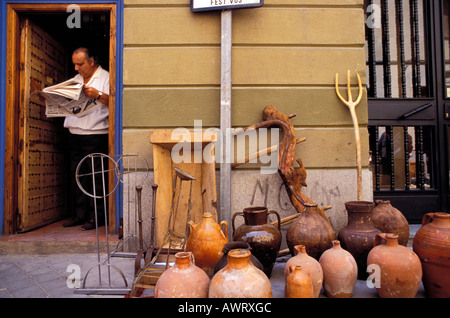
x: 56, y: 239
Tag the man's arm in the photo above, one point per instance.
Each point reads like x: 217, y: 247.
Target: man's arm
x: 94, y: 93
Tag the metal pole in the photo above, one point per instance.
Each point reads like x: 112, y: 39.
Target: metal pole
x: 225, y: 115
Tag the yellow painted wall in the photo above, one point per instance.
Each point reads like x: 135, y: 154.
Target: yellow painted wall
x: 285, y: 53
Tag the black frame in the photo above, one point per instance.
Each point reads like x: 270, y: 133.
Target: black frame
x: 443, y: 105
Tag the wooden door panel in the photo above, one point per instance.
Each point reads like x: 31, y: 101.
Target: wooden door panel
x: 42, y: 179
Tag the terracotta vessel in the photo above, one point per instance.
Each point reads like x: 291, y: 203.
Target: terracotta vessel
x: 298, y: 284
x: 309, y: 266
x: 263, y: 237
x: 240, y: 279
x: 206, y: 241
x: 396, y: 270
x: 183, y: 279
x: 340, y: 271
x: 432, y: 244
x: 232, y: 246
x: 388, y: 219
x: 359, y: 234
x: 312, y: 229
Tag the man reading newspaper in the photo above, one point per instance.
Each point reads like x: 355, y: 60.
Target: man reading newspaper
x: 88, y: 133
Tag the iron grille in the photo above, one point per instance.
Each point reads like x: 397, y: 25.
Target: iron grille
x: 397, y: 69
x: 402, y: 157
x: 396, y: 49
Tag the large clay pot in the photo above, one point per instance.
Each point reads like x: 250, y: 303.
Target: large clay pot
x: 397, y: 268
x: 298, y: 283
x: 359, y: 235
x: 240, y: 279
x: 312, y: 229
x: 232, y: 246
x: 340, y: 272
x: 206, y: 241
x: 263, y: 237
x: 309, y: 265
x: 388, y: 219
x: 432, y: 244
x: 183, y: 279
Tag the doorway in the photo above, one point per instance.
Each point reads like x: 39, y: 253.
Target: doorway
x: 40, y: 43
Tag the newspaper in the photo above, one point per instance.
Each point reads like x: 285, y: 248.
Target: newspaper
x: 67, y: 99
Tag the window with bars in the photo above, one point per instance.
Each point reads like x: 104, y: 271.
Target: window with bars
x: 397, y: 69
x: 446, y: 35
x: 402, y: 157
x: 396, y: 49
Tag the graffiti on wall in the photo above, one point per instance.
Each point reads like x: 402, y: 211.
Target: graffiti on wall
x: 271, y: 192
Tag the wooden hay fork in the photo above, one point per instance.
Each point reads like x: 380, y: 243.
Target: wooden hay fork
x: 352, y: 106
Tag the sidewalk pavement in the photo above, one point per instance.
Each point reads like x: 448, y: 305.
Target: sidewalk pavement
x: 57, y: 275
x: 50, y: 276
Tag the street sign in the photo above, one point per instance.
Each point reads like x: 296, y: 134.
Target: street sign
x: 209, y: 5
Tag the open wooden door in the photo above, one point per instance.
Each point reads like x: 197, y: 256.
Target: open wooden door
x: 41, y: 171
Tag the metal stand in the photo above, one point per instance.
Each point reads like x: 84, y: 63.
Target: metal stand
x: 171, y: 235
x: 147, y: 277
x: 128, y: 246
x: 90, y: 161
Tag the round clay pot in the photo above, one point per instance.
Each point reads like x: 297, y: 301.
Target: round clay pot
x: 240, y: 279
x: 263, y: 237
x: 232, y: 246
x: 340, y: 272
x: 183, y: 279
x: 388, y: 219
x: 206, y: 241
x: 311, y: 229
x: 432, y: 244
x: 298, y: 283
x: 309, y: 266
x: 359, y: 235
x: 396, y: 270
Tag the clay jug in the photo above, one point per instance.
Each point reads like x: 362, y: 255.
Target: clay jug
x: 432, y: 244
x: 312, y: 229
x: 263, y: 237
x: 358, y: 236
x: 232, y: 246
x: 396, y: 270
x: 309, y: 266
x: 340, y: 271
x: 388, y: 219
x: 298, y: 283
x: 206, y: 241
x: 183, y: 279
x: 240, y: 279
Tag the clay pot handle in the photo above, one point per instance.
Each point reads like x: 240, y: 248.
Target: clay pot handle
x: 278, y: 217
x: 390, y: 238
x: 427, y: 218
x: 192, y: 225
x: 379, y: 239
x: 226, y: 227
x: 234, y: 216
x: 293, y: 267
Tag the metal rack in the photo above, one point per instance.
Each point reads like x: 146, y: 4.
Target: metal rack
x: 172, y: 242
x: 133, y: 173
x: 90, y: 175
